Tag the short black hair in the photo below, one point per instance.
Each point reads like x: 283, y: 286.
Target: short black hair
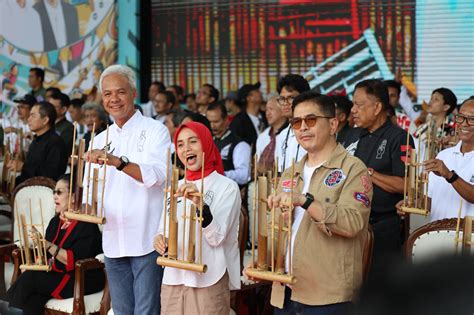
x: 394, y: 84
x: 54, y: 90
x: 190, y: 95
x: 214, y: 92
x: 377, y: 88
x: 170, y: 98
x: 67, y: 179
x: 325, y: 103
x: 199, y: 118
x: 64, y: 100
x: 449, y: 98
x: 38, y: 72
x: 77, y: 103
x: 293, y: 82
x: 343, y: 103
x: 46, y: 109
x: 219, y: 106
x: 161, y: 86
x: 179, y: 89
x: 178, y: 116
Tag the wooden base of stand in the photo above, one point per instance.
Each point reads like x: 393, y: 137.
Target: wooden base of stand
x: 35, y: 268
x: 415, y: 211
x: 180, y: 264
x: 271, y: 276
x: 84, y: 217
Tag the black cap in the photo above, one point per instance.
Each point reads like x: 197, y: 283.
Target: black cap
x: 245, y: 90
x: 27, y: 99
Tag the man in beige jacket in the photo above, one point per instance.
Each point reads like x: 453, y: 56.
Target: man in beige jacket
x: 332, y: 195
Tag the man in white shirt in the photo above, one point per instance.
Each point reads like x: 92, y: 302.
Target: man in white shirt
x: 149, y: 107
x: 133, y: 194
x: 235, y: 153
x: 451, y: 180
x: 287, y: 148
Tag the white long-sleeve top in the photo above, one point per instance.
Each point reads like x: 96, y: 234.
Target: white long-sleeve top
x: 132, y: 209
x: 220, y: 248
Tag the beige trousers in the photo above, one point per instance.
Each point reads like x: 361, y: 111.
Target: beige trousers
x: 182, y: 300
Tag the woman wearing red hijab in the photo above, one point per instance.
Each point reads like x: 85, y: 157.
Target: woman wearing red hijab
x: 188, y: 292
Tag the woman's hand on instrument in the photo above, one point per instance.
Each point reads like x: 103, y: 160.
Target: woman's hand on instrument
x: 160, y: 244
x: 189, y: 191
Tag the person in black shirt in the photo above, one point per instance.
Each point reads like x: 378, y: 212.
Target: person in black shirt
x: 343, y: 111
x: 382, y: 147
x: 47, y: 155
x: 62, y: 126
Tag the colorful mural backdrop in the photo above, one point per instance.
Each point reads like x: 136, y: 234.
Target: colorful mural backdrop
x: 72, y: 40
x: 334, y: 43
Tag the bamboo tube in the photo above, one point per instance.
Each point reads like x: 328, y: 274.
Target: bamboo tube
x: 415, y: 210
x: 412, y: 179
x: 89, y: 168
x: 95, y: 191
x: 20, y: 232
x: 192, y: 234
x: 105, y: 172
x: 262, y: 184
x: 201, y: 208
x: 255, y: 205
x: 42, y: 230
x: 467, y: 235
x: 180, y: 264
x: 271, y: 276
x: 35, y: 256
x: 26, y: 244
x: 84, y: 217
x: 166, y: 191
x: 456, y: 239
x: 69, y: 203
x: 183, y: 256
x: 290, y: 217
x: 280, y: 250
x: 35, y: 268
x: 79, y: 176
x: 173, y: 220
x: 272, y: 238
x: 405, y: 183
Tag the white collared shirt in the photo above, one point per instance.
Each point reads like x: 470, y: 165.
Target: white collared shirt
x: 148, y: 109
x: 133, y: 209
x: 241, y: 158
x: 287, y: 148
x: 58, y: 24
x: 262, y: 141
x: 445, y: 200
x: 220, y: 248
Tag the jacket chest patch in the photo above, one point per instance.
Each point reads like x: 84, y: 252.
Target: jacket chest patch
x: 287, y: 185
x: 334, y: 178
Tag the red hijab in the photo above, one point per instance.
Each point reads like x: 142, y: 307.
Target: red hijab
x: 213, y: 161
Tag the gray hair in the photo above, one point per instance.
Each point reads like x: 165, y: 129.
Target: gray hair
x: 98, y: 109
x: 122, y: 70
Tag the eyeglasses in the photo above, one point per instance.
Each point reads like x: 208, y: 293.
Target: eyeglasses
x: 282, y: 101
x: 309, y: 120
x: 459, y: 118
x: 59, y: 192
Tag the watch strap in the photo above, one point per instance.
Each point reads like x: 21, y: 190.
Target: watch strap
x: 122, y: 165
x: 308, y: 202
x: 453, y: 178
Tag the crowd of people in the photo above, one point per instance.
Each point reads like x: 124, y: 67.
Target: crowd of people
x: 348, y: 156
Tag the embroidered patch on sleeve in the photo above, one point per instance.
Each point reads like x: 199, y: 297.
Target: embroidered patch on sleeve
x: 361, y: 197
x: 334, y: 178
x: 366, y: 182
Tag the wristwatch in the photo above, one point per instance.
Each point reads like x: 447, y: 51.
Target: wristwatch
x: 124, y: 162
x: 308, y: 202
x: 453, y: 178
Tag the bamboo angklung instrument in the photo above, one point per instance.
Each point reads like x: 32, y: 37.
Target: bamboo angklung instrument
x: 34, y: 257
x: 276, y: 271
x: 89, y: 212
x: 415, y: 199
x: 466, y: 240
x: 187, y: 259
